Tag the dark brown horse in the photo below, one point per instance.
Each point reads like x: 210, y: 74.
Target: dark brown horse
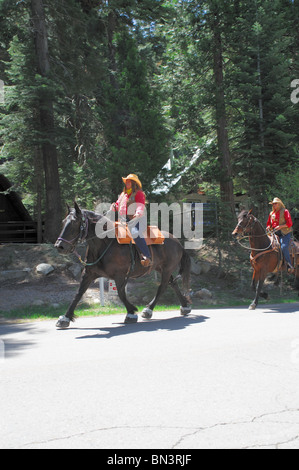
x: 264, y: 258
x: 107, y: 258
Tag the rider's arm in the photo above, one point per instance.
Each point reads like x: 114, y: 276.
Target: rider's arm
x: 140, y: 204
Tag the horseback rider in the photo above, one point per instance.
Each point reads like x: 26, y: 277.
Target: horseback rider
x: 130, y: 207
x: 280, y: 221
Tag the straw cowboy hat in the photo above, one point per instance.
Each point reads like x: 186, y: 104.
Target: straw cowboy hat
x: 278, y: 201
x: 133, y: 177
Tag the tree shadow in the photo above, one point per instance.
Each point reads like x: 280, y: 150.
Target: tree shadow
x: 10, y: 346
x: 281, y: 308
x: 168, y: 324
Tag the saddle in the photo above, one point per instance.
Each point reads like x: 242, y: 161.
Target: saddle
x: 293, y: 249
x: 152, y: 236
x: 275, y: 243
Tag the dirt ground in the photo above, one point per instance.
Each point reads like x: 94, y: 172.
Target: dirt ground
x: 21, y: 285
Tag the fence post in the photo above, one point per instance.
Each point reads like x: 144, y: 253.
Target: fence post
x: 101, y: 287
x: 112, y: 291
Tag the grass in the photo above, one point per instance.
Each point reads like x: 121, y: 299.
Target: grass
x: 30, y: 313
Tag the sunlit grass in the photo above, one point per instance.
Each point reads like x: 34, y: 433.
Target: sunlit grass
x: 49, y: 312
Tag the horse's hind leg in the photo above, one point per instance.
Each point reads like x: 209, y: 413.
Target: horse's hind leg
x: 148, y: 311
x: 131, y: 316
x: 185, y: 303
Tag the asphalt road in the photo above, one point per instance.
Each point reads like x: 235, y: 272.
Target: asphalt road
x: 219, y: 378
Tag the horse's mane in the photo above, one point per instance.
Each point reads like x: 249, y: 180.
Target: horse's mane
x: 91, y: 215
x: 245, y: 212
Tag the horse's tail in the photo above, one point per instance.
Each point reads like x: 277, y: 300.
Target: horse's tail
x: 185, y: 270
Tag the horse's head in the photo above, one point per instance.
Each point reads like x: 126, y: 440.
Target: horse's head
x: 244, y: 225
x: 73, y: 229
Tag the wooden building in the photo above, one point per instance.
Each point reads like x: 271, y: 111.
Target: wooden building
x: 16, y: 224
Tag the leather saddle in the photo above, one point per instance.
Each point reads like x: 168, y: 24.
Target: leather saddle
x: 152, y: 236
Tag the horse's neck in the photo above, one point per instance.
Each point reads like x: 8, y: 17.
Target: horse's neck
x: 258, y: 238
x: 95, y: 243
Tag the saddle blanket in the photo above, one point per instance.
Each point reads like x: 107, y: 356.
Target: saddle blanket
x: 153, y: 235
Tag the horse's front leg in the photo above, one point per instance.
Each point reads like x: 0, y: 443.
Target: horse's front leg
x: 64, y: 320
x: 258, y: 293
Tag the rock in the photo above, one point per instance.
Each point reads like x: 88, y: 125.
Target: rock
x: 205, y: 267
x: 195, y: 267
x: 75, y: 270
x: 14, y: 275
x: 55, y: 305
x: 38, y: 302
x: 44, y: 269
x: 203, y: 294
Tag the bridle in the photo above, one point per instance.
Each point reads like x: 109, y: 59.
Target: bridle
x: 81, y: 237
x: 249, y: 223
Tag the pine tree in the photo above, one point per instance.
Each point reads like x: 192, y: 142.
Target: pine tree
x: 261, y: 77
x: 134, y: 132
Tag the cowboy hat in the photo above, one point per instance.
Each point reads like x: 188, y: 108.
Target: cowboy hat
x: 133, y: 177
x: 278, y: 201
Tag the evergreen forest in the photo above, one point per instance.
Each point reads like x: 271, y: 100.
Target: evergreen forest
x: 92, y: 90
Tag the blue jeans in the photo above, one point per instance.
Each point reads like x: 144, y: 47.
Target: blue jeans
x: 137, y: 230
x: 284, y: 243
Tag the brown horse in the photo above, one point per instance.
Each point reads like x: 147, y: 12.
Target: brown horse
x: 107, y: 258
x: 264, y: 258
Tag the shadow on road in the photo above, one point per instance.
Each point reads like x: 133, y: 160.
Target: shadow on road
x: 10, y: 346
x: 168, y: 324
x: 282, y: 308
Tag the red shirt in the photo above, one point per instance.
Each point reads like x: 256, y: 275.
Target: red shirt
x: 273, y: 219
x: 121, y: 204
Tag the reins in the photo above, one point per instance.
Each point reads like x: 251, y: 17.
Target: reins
x: 99, y: 258
x: 251, y: 235
x: 253, y: 249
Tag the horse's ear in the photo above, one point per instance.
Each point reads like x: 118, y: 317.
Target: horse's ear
x: 249, y: 212
x: 77, y: 208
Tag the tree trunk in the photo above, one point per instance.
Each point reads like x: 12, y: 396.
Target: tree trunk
x: 226, y: 181
x: 49, y: 152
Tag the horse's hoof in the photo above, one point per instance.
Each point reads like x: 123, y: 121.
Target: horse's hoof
x: 185, y: 310
x: 131, y: 318
x: 251, y: 307
x: 147, y: 313
x: 63, y: 322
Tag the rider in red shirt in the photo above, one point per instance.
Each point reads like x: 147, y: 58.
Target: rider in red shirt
x: 280, y: 221
x: 131, y: 206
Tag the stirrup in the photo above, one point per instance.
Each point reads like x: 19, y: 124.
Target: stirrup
x: 290, y: 269
x: 146, y: 262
